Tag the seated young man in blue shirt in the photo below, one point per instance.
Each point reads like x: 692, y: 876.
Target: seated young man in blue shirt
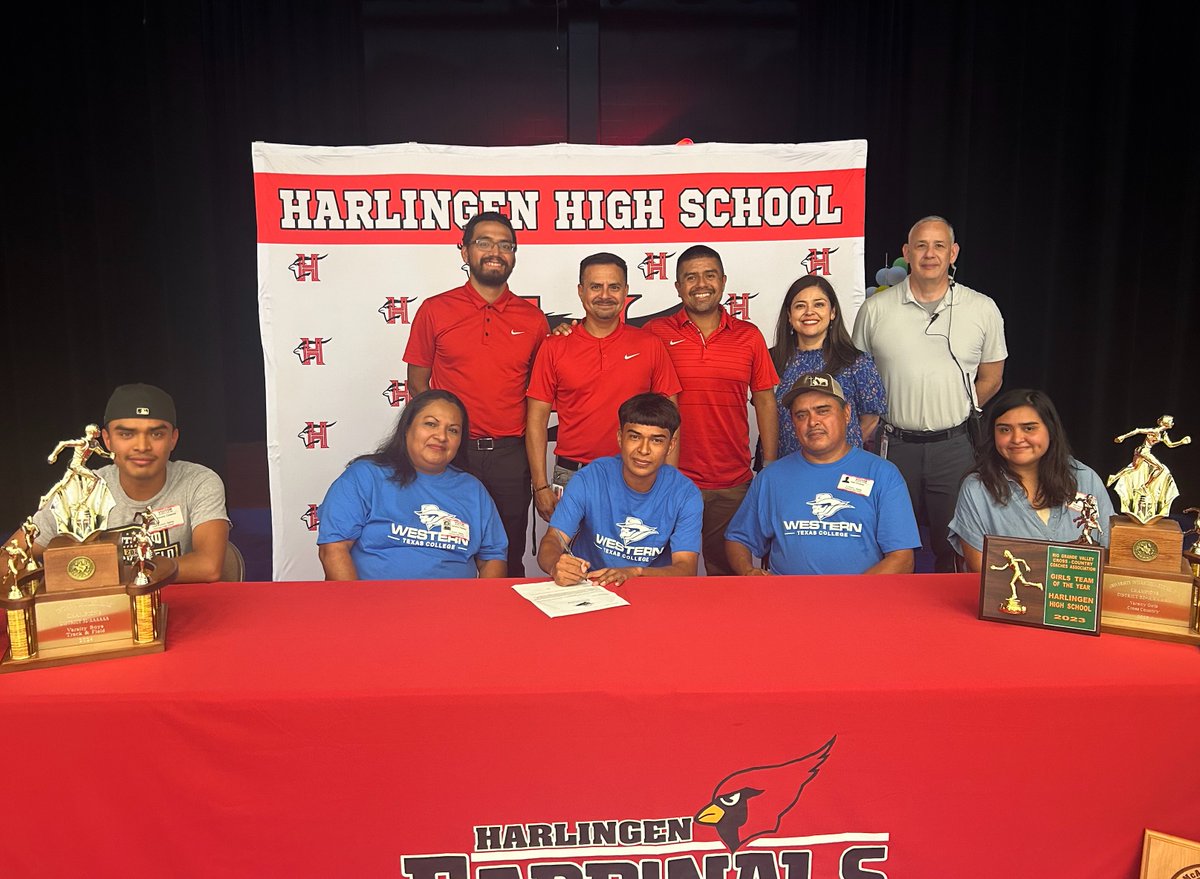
x: 629, y: 515
x: 828, y: 508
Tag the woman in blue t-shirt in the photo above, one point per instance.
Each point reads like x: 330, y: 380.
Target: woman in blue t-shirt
x: 406, y: 512
x: 811, y: 336
x: 1025, y: 482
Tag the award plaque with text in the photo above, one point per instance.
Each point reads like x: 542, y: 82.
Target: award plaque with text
x: 1041, y: 584
x: 1169, y: 857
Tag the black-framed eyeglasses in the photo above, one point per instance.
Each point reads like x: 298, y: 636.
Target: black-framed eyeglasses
x: 487, y: 244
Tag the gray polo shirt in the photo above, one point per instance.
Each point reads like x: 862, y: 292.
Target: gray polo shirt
x: 926, y: 390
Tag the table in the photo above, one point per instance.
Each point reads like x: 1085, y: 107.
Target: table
x: 327, y: 729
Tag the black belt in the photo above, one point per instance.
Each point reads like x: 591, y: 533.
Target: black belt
x: 567, y: 463
x: 924, y: 436
x: 488, y: 443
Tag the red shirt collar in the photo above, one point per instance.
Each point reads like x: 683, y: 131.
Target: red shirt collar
x: 479, y: 302
x: 681, y: 319
x: 582, y: 330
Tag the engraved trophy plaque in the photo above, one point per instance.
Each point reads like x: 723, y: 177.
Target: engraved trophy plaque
x: 1041, y: 584
x: 1045, y: 584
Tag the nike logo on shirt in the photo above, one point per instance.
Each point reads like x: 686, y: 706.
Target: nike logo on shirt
x: 631, y: 356
x: 517, y: 332
x: 675, y: 341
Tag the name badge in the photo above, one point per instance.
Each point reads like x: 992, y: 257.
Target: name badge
x: 856, y: 484
x: 167, y: 517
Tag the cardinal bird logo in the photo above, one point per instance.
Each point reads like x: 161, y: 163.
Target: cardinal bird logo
x: 752, y: 802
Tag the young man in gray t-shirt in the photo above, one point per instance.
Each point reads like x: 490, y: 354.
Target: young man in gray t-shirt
x: 187, y: 500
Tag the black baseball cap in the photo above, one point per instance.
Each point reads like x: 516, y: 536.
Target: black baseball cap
x: 814, y: 381
x: 140, y: 401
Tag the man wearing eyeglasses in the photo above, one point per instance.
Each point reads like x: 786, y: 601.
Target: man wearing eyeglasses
x: 478, y: 341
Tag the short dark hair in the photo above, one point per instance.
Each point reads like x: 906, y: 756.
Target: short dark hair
x: 698, y: 251
x: 393, y: 452
x: 652, y: 410
x: 487, y: 217
x: 603, y: 259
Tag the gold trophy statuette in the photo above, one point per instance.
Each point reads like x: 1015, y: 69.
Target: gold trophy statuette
x: 80, y: 500
x: 22, y: 643
x: 1194, y: 549
x: 1088, y: 519
x: 1145, y: 485
x: 18, y: 561
x: 143, y: 552
x: 1012, y: 604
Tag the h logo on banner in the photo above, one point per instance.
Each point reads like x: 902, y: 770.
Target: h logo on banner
x: 397, y: 393
x: 654, y: 266
x: 311, y: 518
x: 739, y: 305
x: 304, y: 266
x: 315, y: 434
x: 395, y: 308
x: 817, y: 261
x: 311, y: 351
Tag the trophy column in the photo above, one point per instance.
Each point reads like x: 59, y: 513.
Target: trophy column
x: 22, y: 633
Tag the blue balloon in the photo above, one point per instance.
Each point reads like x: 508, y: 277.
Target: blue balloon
x: 871, y: 291
x: 881, y: 276
x: 896, y: 274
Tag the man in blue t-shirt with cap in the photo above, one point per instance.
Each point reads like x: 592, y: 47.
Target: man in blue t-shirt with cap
x: 828, y: 508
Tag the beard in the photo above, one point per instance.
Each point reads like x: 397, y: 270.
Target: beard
x: 490, y: 272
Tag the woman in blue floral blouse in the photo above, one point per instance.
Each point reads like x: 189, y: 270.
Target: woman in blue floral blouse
x: 811, y: 337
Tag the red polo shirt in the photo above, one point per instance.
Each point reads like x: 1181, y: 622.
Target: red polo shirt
x: 480, y: 351
x: 717, y: 375
x: 587, y: 379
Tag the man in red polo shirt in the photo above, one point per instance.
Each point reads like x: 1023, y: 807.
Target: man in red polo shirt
x: 586, y: 375
x: 720, y: 361
x: 478, y: 342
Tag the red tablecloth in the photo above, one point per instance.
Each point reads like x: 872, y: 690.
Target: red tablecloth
x: 333, y: 729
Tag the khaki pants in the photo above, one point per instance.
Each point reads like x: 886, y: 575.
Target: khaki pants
x: 719, y: 506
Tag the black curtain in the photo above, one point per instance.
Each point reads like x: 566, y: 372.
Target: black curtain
x: 1059, y: 138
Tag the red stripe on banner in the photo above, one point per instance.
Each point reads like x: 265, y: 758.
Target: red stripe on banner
x: 431, y: 209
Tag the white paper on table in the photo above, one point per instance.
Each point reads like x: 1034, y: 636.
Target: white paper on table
x: 562, y: 601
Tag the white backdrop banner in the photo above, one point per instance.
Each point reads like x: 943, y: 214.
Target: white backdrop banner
x: 351, y: 241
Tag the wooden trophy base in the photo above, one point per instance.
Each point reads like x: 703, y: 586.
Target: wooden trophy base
x: 1145, y: 548
x: 88, y: 624
x: 1148, y: 604
x: 76, y: 653
x: 71, y: 565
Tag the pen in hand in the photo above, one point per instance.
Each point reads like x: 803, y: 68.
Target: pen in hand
x: 583, y: 565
